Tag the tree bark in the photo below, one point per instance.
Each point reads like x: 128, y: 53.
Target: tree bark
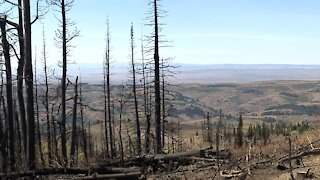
x: 10, y: 119
x: 74, y: 123
x: 20, y: 73
x: 105, y: 106
x: 63, y: 84
x: 29, y: 84
x: 157, y: 81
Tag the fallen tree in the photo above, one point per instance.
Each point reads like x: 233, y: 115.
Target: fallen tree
x: 71, y: 171
x: 300, y: 155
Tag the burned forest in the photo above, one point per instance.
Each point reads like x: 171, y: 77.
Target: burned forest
x: 118, y: 90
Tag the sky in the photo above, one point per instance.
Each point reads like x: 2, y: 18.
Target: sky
x: 199, y: 31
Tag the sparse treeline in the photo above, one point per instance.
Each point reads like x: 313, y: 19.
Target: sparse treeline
x: 48, y: 121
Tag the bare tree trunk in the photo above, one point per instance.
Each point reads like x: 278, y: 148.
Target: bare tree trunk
x: 20, y: 72
x: 3, y: 138
x: 29, y: 84
x: 90, y: 142
x: 145, y: 100
x: 163, y: 105
x: 18, y: 135
x: 112, y: 151
x: 10, y: 120
x: 120, y: 126
x: 290, y: 163
x: 63, y: 83
x: 135, y: 93
x: 54, y: 138
x: 45, y: 68
x: 37, y: 112
x: 74, y: 123
x: 4, y: 141
x: 157, y: 81
x: 84, y: 136
x: 105, y: 107
x: 218, y: 138
x: 209, y: 133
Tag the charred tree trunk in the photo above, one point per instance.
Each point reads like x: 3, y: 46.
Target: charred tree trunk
x: 20, y: 73
x: 2, y: 134
x: 145, y: 100
x: 46, y: 103
x: 54, y: 134
x: 120, y: 127
x: 18, y: 136
x: 10, y: 120
x: 63, y: 83
x: 74, y: 123
x: 29, y: 84
x: 112, y: 151
x: 163, y: 105
x: 105, y: 107
x: 135, y: 94
x: 157, y: 81
x: 84, y: 136
x: 37, y: 113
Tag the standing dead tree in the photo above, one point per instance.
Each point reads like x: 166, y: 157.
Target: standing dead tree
x: 74, y: 123
x: 134, y: 90
x: 107, y: 71
x: 10, y: 120
x: 63, y: 37
x: 46, y: 100
x: 157, y: 80
x: 84, y: 134
x: 37, y: 110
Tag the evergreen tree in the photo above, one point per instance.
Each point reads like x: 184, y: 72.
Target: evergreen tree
x: 239, y: 137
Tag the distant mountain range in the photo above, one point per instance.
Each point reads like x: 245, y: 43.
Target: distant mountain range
x: 208, y: 73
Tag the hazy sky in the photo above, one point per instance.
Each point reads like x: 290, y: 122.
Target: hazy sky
x: 201, y: 31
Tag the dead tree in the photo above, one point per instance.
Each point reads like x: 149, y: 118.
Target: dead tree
x: 218, y: 138
x: 20, y: 73
x: 64, y: 36
x: 209, y: 130
x: 121, y: 104
x: 105, y: 106
x: 108, y: 61
x: 290, y: 151
x: 10, y: 120
x: 84, y: 136
x: 3, y: 131
x: 46, y: 101
x: 37, y: 111
x: 147, y: 111
x: 157, y: 100
x: 29, y: 84
x: 138, y: 133
x: 74, y: 123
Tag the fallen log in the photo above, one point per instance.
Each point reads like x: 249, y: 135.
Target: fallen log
x: 197, y: 153
x: 54, y: 171
x: 152, y: 159
x: 132, y: 175
x: 300, y: 155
